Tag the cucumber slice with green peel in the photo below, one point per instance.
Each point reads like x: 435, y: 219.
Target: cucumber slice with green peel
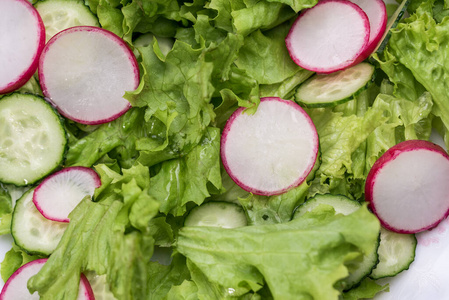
x: 58, y: 15
x: 326, y: 90
x: 217, y: 214
x: 32, y: 139
x: 343, y: 205
x: 33, y: 232
x: 396, y: 253
x: 362, y: 269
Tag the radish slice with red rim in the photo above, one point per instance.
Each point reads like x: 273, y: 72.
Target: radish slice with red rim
x: 329, y: 36
x: 85, y: 291
x: 22, y: 40
x: 271, y: 151
x: 84, y: 72
x: 15, y: 287
x: 58, y: 194
x: 407, y: 186
x: 377, y: 15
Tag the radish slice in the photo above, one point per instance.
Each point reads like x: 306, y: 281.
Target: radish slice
x: 85, y: 291
x: 329, y: 36
x: 407, y: 186
x: 377, y: 15
x: 61, y: 192
x: 22, y: 39
x: 15, y: 287
x: 85, y: 71
x: 271, y: 151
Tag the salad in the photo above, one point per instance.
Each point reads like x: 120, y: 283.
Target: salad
x: 158, y: 162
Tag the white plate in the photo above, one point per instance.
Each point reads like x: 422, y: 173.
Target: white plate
x: 428, y: 277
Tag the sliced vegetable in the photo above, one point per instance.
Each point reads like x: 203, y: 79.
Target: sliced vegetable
x: 217, y: 214
x: 376, y: 12
x: 16, y: 286
x: 407, y: 186
x: 58, y: 15
x: 396, y: 253
x: 32, y: 139
x: 85, y: 291
x: 61, y: 192
x: 393, y: 21
x: 22, y: 40
x: 271, y: 151
x: 85, y: 71
x: 343, y: 205
x: 329, y: 36
x: 31, y: 231
x: 323, y: 90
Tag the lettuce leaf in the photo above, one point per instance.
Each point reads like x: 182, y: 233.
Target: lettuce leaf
x: 354, y: 135
x: 420, y: 44
x: 319, y: 245
x: 366, y: 290
x: 98, y: 236
x: 187, y: 179
x: 265, y: 57
x: 6, y: 207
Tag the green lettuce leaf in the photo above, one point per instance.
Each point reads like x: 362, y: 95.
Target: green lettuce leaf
x: 354, y: 135
x: 248, y: 19
x: 421, y: 45
x: 319, y: 245
x: 262, y: 210
x: 107, y: 237
x: 264, y: 56
x: 164, y: 277
x: 187, y: 179
x: 185, y: 291
x: 6, y: 206
x: 14, y: 259
x: 366, y: 290
x: 297, y: 5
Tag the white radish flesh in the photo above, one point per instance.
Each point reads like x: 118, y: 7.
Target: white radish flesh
x: 15, y: 287
x: 407, y: 186
x: 329, y: 36
x: 85, y: 71
x: 85, y: 292
x: 22, y: 39
x: 377, y: 15
x: 271, y: 151
x: 58, y: 194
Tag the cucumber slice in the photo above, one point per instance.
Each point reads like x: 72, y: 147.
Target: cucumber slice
x: 325, y: 90
x: 32, y: 139
x: 58, y: 15
x: 31, y: 231
x: 396, y: 253
x: 343, y: 205
x: 217, y: 214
